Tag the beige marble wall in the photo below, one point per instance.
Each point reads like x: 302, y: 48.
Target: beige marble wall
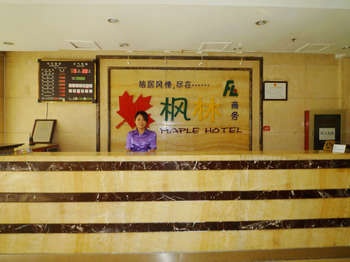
x: 314, y: 82
x: 2, y: 68
x: 345, y: 84
x: 76, y: 122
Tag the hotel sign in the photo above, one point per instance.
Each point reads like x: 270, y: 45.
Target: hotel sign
x: 188, y: 108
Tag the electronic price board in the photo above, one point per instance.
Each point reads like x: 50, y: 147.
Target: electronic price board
x: 66, y: 81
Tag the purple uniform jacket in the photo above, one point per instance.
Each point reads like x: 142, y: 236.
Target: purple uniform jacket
x: 141, y: 143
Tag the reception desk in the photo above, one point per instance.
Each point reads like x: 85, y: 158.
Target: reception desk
x: 183, y: 205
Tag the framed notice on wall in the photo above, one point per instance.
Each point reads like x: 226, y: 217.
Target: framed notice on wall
x: 275, y: 90
x: 66, y: 81
x: 43, y: 130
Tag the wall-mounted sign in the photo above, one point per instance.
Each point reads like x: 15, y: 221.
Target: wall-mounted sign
x: 275, y: 90
x: 66, y: 81
x: 197, y: 109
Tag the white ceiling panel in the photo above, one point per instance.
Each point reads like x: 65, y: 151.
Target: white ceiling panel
x: 292, y: 26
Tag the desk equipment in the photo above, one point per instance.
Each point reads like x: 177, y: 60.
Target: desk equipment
x: 8, y: 149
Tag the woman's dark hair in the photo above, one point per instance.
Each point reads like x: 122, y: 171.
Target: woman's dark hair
x: 143, y: 114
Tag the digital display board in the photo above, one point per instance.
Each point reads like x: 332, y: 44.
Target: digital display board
x: 66, y: 81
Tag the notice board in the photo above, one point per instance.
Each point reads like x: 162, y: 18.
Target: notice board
x: 66, y: 81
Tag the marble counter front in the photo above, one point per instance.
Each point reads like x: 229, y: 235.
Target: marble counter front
x: 173, y: 156
x: 66, y: 202
x: 171, y: 161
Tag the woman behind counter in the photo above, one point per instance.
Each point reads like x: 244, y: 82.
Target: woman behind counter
x: 141, y: 139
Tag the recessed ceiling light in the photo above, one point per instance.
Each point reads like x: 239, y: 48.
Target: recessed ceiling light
x: 124, y: 45
x: 8, y: 43
x: 261, y: 22
x: 112, y: 20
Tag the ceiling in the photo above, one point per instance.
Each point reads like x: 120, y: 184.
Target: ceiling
x: 293, y: 26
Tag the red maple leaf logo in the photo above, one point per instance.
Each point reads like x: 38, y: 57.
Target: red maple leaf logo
x: 128, y: 109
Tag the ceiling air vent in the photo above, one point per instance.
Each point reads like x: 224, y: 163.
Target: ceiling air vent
x: 214, y: 46
x: 312, y: 48
x: 84, y: 45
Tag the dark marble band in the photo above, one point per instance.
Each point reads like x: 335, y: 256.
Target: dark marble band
x: 174, y: 227
x: 170, y: 165
x: 173, y: 196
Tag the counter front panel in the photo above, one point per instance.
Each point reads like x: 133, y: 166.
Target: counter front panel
x: 134, y: 204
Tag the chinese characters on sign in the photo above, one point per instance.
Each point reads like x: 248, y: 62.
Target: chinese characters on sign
x: 188, y: 106
x: 168, y: 84
x: 66, y: 81
x: 174, y: 107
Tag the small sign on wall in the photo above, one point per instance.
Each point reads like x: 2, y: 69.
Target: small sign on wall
x: 326, y: 133
x: 275, y: 90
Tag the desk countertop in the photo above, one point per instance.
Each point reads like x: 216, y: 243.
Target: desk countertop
x: 4, y: 146
x: 173, y: 156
